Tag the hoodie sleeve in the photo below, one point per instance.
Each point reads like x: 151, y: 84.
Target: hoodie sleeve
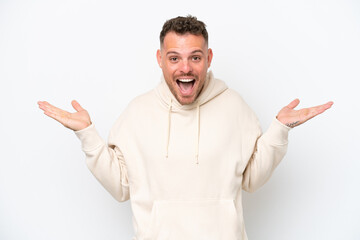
x: 269, y: 150
x: 106, y: 163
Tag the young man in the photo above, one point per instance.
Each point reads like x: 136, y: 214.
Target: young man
x: 183, y: 152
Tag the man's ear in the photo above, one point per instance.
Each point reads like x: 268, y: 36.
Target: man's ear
x: 210, y: 56
x: 158, y: 57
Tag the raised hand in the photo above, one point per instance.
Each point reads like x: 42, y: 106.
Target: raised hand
x: 75, y: 121
x: 292, y: 118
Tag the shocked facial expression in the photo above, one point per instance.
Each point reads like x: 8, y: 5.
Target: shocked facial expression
x: 184, y: 60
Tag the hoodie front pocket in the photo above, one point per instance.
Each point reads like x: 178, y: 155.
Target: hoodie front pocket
x: 209, y: 219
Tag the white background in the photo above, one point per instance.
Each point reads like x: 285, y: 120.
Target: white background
x: 102, y: 53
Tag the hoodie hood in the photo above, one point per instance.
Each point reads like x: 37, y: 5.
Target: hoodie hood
x: 212, y: 88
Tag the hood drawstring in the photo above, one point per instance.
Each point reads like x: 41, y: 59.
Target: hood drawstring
x: 168, y: 130
x: 197, y: 132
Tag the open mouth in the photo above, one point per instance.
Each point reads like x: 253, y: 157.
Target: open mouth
x: 186, y: 85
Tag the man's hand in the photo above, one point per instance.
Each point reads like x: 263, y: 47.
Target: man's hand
x: 75, y: 121
x: 293, y: 118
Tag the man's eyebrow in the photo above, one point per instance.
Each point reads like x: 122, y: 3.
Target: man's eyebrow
x: 195, y: 51
x: 172, y: 52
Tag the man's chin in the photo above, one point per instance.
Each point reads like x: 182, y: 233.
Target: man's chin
x: 186, y: 100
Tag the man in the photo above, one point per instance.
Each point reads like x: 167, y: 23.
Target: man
x: 183, y: 152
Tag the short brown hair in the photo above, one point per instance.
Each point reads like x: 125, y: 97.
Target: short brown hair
x: 183, y: 25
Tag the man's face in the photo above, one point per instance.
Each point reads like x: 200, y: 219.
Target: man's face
x: 184, y: 60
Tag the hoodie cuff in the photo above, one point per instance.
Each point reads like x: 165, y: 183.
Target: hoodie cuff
x: 278, y: 132
x: 90, y: 138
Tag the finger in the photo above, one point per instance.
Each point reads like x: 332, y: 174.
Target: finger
x: 293, y: 104
x: 321, y: 108
x: 54, y: 111
x: 328, y: 105
x: 76, y: 106
x: 309, y: 113
x: 324, y: 107
x: 61, y: 119
x: 57, y: 111
x: 43, y: 105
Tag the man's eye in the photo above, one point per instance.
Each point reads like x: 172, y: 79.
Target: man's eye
x: 173, y: 59
x: 196, y: 58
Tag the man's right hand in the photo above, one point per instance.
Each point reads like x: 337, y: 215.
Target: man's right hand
x: 75, y: 121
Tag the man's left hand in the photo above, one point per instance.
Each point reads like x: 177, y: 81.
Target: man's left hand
x: 292, y: 118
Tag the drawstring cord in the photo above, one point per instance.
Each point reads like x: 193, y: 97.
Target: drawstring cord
x: 168, y: 130
x: 197, y: 133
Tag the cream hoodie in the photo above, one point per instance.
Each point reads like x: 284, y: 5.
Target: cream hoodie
x: 184, y: 167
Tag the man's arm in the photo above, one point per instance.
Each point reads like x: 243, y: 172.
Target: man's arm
x: 105, y: 162
x: 271, y: 147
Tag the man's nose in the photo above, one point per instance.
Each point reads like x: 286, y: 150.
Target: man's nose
x: 185, y: 66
